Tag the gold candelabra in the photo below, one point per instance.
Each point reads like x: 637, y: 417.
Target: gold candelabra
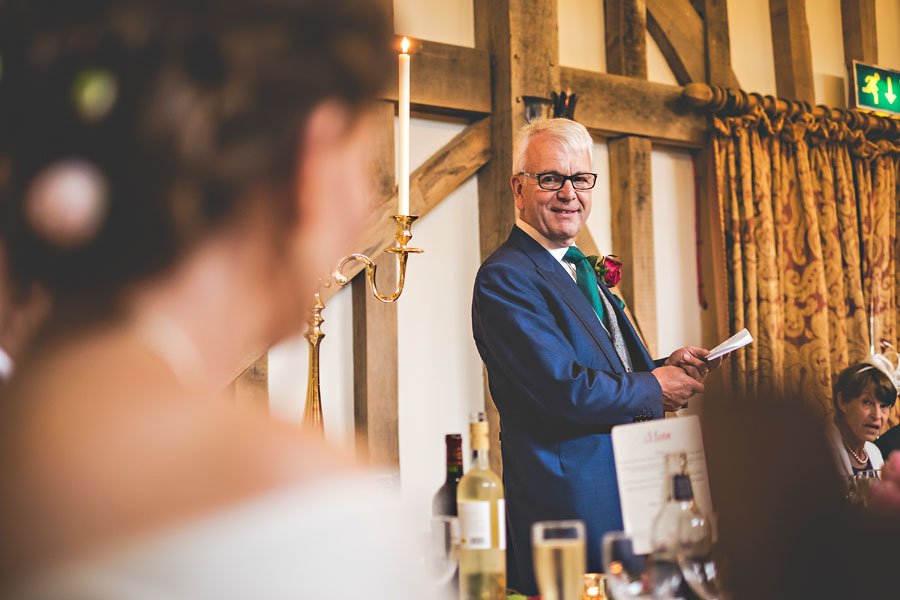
x: 312, y: 413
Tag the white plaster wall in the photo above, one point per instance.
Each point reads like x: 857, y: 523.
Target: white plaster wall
x: 582, y: 41
x: 752, y: 57
x: 440, y: 372
x: 447, y: 21
x: 827, y: 49
x: 674, y: 250
x: 288, y: 364
x: 887, y: 14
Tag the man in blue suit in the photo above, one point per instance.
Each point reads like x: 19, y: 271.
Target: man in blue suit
x: 564, y: 363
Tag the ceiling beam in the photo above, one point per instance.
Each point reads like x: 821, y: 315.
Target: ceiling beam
x: 615, y: 105
x: 446, y: 79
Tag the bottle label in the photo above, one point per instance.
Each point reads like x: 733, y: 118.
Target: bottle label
x: 501, y: 522
x: 475, y: 525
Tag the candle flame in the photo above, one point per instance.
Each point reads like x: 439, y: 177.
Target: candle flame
x: 404, y: 45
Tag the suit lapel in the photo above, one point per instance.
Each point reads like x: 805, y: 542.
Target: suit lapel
x: 567, y: 290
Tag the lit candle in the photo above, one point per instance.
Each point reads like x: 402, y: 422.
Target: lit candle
x: 403, y: 185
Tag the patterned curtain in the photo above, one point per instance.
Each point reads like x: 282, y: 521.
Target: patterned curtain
x: 809, y: 219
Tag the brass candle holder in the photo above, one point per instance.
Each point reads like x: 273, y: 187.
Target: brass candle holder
x: 312, y: 413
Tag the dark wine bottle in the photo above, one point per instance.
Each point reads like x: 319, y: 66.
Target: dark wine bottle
x: 445, y: 499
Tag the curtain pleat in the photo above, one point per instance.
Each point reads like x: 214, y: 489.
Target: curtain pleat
x: 810, y: 223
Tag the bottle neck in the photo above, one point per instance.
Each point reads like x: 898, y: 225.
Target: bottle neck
x: 480, y: 459
x: 454, y: 458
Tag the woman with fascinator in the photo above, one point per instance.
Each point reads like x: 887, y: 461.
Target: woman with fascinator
x: 863, y: 396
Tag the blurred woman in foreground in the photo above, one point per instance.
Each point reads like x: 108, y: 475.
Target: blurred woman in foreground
x: 181, y: 172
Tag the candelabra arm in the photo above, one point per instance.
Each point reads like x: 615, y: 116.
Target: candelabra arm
x: 404, y: 234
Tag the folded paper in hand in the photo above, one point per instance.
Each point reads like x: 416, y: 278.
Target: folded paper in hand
x: 738, y: 340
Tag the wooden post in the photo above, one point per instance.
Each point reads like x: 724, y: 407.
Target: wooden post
x: 626, y: 37
x: 718, y: 43
x: 375, y: 331
x: 790, y: 42
x: 632, y: 232
x: 522, y: 37
x: 629, y: 174
x: 860, y: 35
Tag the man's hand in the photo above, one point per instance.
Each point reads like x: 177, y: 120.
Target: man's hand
x: 690, y: 360
x: 676, y: 386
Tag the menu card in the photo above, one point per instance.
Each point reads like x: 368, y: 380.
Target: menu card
x: 640, y: 451
x: 735, y: 342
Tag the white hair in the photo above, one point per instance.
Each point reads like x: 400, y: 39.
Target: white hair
x: 573, y: 136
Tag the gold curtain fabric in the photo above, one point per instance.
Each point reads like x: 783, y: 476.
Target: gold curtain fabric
x: 808, y: 213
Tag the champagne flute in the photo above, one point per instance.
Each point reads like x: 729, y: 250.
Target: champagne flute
x: 559, y: 559
x: 625, y: 571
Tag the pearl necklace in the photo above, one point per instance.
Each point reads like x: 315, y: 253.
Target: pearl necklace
x: 855, y: 455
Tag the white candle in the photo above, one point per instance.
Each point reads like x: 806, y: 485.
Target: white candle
x: 403, y: 185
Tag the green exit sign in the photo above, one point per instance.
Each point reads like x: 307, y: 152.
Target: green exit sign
x: 875, y: 89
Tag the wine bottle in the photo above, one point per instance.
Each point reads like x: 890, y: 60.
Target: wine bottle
x: 482, y: 521
x: 444, y: 502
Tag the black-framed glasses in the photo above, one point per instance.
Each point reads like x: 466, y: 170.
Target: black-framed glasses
x: 553, y: 182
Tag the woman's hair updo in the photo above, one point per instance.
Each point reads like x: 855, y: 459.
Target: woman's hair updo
x: 856, y: 379
x: 129, y: 128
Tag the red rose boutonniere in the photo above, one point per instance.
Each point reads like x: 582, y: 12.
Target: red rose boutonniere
x: 609, y: 268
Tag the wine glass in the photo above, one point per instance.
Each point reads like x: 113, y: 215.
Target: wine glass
x: 442, y: 543
x: 702, y: 576
x: 559, y: 559
x: 860, y: 485
x: 625, y: 571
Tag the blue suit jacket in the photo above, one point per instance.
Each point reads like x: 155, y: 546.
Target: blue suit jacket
x: 559, y: 387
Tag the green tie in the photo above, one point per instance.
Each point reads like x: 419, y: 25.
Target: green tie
x: 586, y: 279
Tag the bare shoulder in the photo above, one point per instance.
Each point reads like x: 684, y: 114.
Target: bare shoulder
x: 106, y: 444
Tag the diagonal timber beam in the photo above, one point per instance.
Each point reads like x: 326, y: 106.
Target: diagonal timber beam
x: 607, y: 106
x: 446, y: 79
x: 434, y: 180
x: 678, y: 30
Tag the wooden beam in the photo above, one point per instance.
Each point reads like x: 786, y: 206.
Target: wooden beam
x: 632, y: 232
x: 718, y: 43
x: 678, y: 30
x: 860, y: 35
x: 375, y: 383
x: 523, y: 40
x: 447, y: 79
x: 443, y: 172
x: 375, y: 331
x: 613, y: 105
x: 525, y: 63
x: 790, y: 43
x: 630, y: 179
x: 626, y: 35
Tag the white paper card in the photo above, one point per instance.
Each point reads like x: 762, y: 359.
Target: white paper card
x: 640, y: 451
x: 739, y: 340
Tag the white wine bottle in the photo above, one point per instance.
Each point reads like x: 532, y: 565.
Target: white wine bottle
x: 482, y: 523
